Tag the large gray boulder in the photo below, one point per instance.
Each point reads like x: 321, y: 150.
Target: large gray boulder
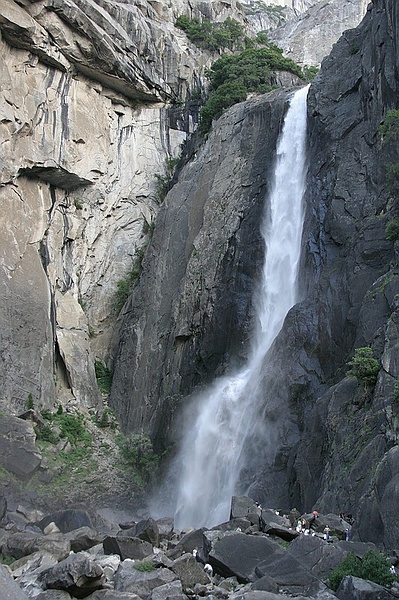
x: 18, y: 453
x: 353, y: 588
x: 9, y: 589
x: 110, y: 595
x: 239, y: 554
x: 129, y: 579
x: 317, y: 556
x: 169, y: 591
x: 77, y: 574
x: 68, y: 519
x: 189, y: 571
x: 189, y: 541
x: 127, y: 546
x: 27, y: 542
x: 289, y: 574
x: 243, y: 506
x: 146, y: 530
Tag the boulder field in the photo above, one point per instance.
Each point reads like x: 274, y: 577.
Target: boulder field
x: 259, y: 554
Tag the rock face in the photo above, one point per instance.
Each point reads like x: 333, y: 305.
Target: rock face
x: 95, y: 100
x: 90, y: 114
x: 350, y: 431
x: 183, y: 323
x: 83, y: 134
x: 300, y: 37
x: 190, y: 313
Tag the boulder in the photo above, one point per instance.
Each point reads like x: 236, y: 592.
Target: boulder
x: 354, y: 588
x: 77, y: 574
x: 26, y: 542
x: 127, y: 547
x: 314, y: 554
x: 3, y: 507
x: 265, y: 584
x: 83, y: 538
x: 146, y: 530
x: 169, y: 591
x: 269, y: 516
x: 285, y: 533
x: 258, y: 595
x: 289, y: 574
x: 243, y: 506
x: 129, y: 579
x: 239, y: 554
x: 18, y: 453
x: 26, y: 570
x: 53, y: 595
x: 10, y: 590
x: 189, y: 571
x: 112, y: 595
x: 165, y: 528
x: 67, y: 520
x: 189, y: 541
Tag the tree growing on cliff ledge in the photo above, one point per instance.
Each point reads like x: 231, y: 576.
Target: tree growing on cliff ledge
x: 364, y: 366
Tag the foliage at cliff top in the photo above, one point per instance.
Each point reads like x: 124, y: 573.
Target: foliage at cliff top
x: 233, y: 77
x: 213, y: 36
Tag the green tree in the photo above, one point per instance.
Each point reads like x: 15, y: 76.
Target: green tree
x: 373, y: 567
x: 390, y: 127
x: 364, y: 366
x: 104, y: 377
x: 392, y: 230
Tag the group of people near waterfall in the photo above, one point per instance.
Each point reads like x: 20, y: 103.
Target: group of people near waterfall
x: 304, y: 526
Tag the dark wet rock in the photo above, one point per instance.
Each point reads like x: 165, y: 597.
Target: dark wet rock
x: 146, y: 530
x: 189, y: 541
x: 127, y: 547
x: 83, y: 538
x: 67, y: 520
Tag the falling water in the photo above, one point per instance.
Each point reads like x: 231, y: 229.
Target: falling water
x: 211, y: 454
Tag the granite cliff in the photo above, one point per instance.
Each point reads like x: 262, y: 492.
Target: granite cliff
x: 336, y: 437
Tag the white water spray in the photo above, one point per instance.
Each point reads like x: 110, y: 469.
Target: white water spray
x: 211, y: 454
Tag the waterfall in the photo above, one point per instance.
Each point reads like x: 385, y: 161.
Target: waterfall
x: 210, y: 458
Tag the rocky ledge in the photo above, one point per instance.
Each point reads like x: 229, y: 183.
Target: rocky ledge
x: 259, y: 554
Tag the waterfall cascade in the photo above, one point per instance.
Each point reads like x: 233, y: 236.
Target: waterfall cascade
x: 211, y: 456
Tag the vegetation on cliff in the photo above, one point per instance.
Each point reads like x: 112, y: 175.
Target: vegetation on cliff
x: 233, y: 77
x: 213, y: 36
x: 373, y: 567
